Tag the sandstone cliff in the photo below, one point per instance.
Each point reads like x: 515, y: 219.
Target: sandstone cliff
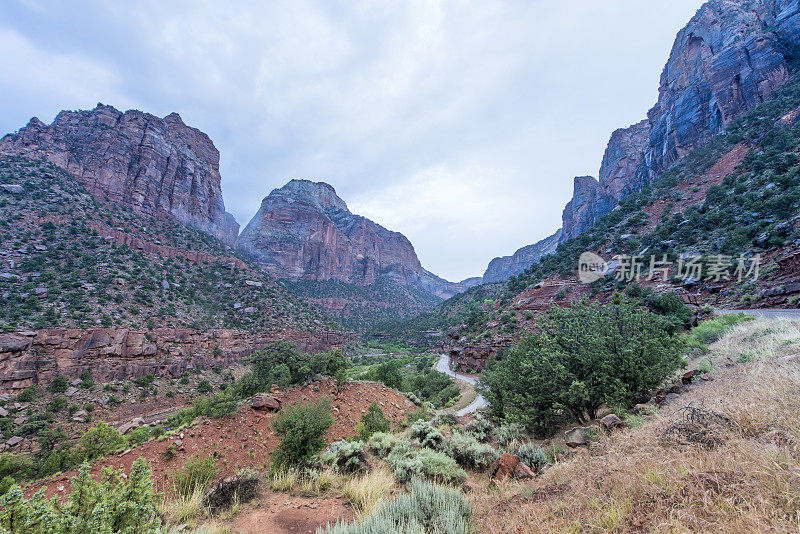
x: 729, y: 57
x: 503, y: 267
x: 304, y: 231
x: 156, y: 166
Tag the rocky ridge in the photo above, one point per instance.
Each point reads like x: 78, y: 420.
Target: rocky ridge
x: 156, y: 166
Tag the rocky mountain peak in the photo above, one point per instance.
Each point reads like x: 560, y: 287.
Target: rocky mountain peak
x: 160, y: 167
x: 320, y: 194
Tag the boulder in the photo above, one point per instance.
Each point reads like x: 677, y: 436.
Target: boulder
x: 14, y: 189
x: 611, y: 421
x: 503, y: 467
x: 577, y: 437
x: 523, y: 472
x: 265, y: 402
x: 81, y: 416
x: 238, y: 488
x: 688, y: 376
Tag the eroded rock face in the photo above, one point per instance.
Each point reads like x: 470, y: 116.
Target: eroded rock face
x: 729, y: 58
x: 501, y: 268
x: 157, y: 166
x: 115, y: 354
x: 304, y: 231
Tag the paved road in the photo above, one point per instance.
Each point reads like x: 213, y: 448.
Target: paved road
x: 443, y: 366
x: 767, y: 312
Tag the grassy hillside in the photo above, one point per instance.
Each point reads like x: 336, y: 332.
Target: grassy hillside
x: 58, y: 269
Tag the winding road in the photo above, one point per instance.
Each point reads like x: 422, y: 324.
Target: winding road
x: 443, y: 366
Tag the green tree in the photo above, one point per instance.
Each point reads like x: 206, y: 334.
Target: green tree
x: 301, y: 428
x: 372, y: 421
x: 581, y: 358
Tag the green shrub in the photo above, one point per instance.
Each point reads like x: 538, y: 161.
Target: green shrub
x: 138, y: 436
x: 301, y: 428
x: 17, y: 466
x: 346, y: 456
x: 445, y: 418
x: 57, y: 404
x: 468, y: 451
x: 508, y: 432
x: 426, y: 435
x: 579, y: 359
x: 86, y: 380
x: 60, y: 384
x: 196, y: 474
x: 532, y: 455
x: 204, y: 386
x: 409, y: 462
x: 425, y: 508
x: 113, y: 504
x: 28, y: 394
x: 372, y: 421
x: 99, y: 441
x: 381, y: 443
x: 480, y: 428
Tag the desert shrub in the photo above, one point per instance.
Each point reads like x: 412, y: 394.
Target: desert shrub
x: 57, y: 404
x: 445, y: 418
x: 425, y: 508
x: 426, y: 435
x: 468, y: 451
x: 346, y: 456
x: 372, y: 421
x: 204, y: 386
x: 28, y: 394
x: 59, y: 384
x: 281, y: 364
x: 98, y: 441
x: 138, y: 435
x: 213, y: 406
x: 17, y: 466
x: 113, y: 504
x: 6, y: 483
x: 579, y: 359
x: 301, y: 428
x: 480, y: 428
x: 409, y: 462
x: 86, y: 380
x: 417, y: 415
x: 532, y: 455
x: 197, y: 472
x: 712, y: 330
x: 508, y: 432
x: 382, y: 443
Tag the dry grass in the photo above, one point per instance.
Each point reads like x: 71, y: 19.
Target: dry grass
x: 636, y: 481
x: 308, y: 483
x: 183, y: 508
x: 757, y: 340
x: 367, y: 491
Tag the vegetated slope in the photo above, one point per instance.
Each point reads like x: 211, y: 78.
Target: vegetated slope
x: 361, y: 307
x: 71, y: 260
x: 732, y: 467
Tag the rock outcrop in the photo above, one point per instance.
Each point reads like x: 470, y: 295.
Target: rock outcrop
x: 30, y: 357
x: 304, y: 231
x: 729, y: 58
x: 157, y: 166
x: 501, y: 268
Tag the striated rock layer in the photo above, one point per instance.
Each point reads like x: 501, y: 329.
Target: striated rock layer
x: 503, y: 267
x: 109, y: 354
x: 157, y: 166
x: 304, y: 231
x: 730, y: 57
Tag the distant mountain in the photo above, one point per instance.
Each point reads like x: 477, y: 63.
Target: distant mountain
x: 158, y: 167
x: 305, y: 234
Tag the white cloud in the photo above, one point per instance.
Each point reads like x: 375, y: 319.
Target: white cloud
x: 461, y: 124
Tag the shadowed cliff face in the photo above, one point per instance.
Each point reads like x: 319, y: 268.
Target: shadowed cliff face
x: 304, y: 231
x: 730, y: 57
x: 156, y: 166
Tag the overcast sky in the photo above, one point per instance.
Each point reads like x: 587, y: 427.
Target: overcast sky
x: 460, y: 124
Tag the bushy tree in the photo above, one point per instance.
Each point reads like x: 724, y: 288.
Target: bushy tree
x: 301, y: 428
x: 112, y: 504
x: 372, y: 421
x: 281, y: 364
x: 580, y: 358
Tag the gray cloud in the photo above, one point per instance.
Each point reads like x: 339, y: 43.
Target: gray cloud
x: 460, y: 124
